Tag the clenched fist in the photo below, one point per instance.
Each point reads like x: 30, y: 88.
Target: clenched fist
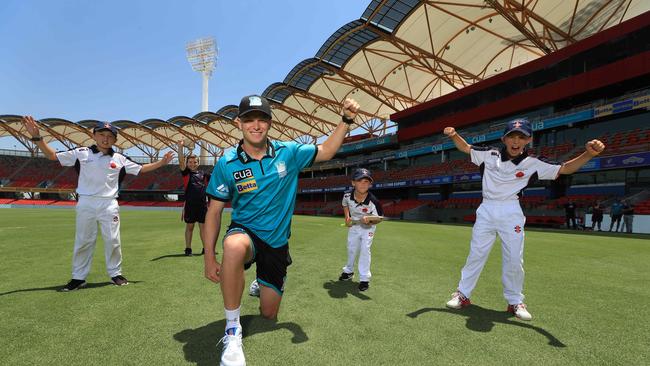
x: 594, y: 147
x: 449, y: 131
x: 350, y: 108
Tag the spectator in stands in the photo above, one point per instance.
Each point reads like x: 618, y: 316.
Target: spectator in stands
x: 628, y: 216
x: 616, y: 213
x: 596, y: 216
x: 358, y: 205
x: 100, y: 169
x: 506, y: 172
x: 260, y: 176
x: 570, y: 214
x: 196, y: 203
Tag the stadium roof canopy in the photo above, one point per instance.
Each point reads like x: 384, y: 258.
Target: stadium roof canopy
x: 398, y: 54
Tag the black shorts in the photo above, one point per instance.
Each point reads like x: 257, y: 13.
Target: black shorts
x: 271, y: 262
x: 194, y: 212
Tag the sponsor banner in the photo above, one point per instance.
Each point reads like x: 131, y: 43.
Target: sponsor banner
x: 392, y: 184
x: 625, y: 161
x: 623, y: 106
x: 406, y: 183
x: 593, y: 164
x: 609, y: 162
x: 467, y: 177
x: 563, y: 120
x: 420, y: 151
x: 355, y: 146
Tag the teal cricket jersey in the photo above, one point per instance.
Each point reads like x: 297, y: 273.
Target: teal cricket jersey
x: 263, y: 192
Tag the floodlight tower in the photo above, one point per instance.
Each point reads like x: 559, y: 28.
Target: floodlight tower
x: 202, y: 56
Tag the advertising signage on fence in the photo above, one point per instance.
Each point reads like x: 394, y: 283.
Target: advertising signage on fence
x: 593, y: 164
x: 563, y: 120
x: 608, y: 162
x: 366, y: 144
x: 467, y: 177
x: 407, y: 183
x: 619, y: 161
x: 623, y: 106
x: 625, y: 161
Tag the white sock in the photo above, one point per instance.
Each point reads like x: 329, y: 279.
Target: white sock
x: 232, y: 319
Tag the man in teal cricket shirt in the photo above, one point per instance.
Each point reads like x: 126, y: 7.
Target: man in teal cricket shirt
x: 260, y: 178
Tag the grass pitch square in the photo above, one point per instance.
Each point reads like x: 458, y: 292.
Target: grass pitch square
x: 588, y: 295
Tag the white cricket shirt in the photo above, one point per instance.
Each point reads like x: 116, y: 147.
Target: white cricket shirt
x: 99, y: 175
x: 369, y: 206
x: 504, y: 179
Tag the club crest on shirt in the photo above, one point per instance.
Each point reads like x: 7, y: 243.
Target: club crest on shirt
x: 281, y: 167
x: 365, y: 210
x: 113, y: 165
x: 519, y: 174
x: 242, y: 174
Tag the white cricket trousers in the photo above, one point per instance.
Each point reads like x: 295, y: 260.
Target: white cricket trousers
x: 90, y: 212
x: 506, y: 219
x: 359, y: 241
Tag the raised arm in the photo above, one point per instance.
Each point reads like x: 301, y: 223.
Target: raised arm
x: 32, y: 128
x: 460, y: 142
x: 160, y: 163
x: 329, y: 147
x: 593, y: 148
x: 211, y: 229
x: 181, y: 155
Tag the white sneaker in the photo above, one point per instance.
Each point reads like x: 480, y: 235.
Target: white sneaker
x: 458, y: 301
x: 520, y: 311
x: 233, y: 352
x: 254, y: 289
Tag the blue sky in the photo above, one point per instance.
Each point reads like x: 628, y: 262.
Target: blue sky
x: 111, y: 60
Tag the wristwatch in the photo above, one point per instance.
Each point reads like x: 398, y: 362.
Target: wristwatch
x: 347, y: 120
x: 36, y: 138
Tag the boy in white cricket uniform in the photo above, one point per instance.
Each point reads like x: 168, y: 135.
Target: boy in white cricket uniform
x: 506, y: 172
x: 100, y: 170
x: 357, y: 206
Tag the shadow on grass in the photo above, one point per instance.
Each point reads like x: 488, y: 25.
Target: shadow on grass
x: 59, y: 287
x: 203, y: 347
x: 341, y: 289
x: 483, y: 320
x: 174, y: 256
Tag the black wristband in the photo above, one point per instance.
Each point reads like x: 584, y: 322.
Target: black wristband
x: 347, y: 120
x: 36, y: 138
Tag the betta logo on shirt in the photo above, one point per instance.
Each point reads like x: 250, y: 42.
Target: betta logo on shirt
x: 249, y: 185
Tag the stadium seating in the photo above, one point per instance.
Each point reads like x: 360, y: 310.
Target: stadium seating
x: 642, y: 208
x: 397, y: 208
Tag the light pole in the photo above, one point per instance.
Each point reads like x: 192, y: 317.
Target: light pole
x: 202, y: 56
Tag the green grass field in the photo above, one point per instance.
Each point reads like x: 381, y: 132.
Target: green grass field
x: 588, y: 294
